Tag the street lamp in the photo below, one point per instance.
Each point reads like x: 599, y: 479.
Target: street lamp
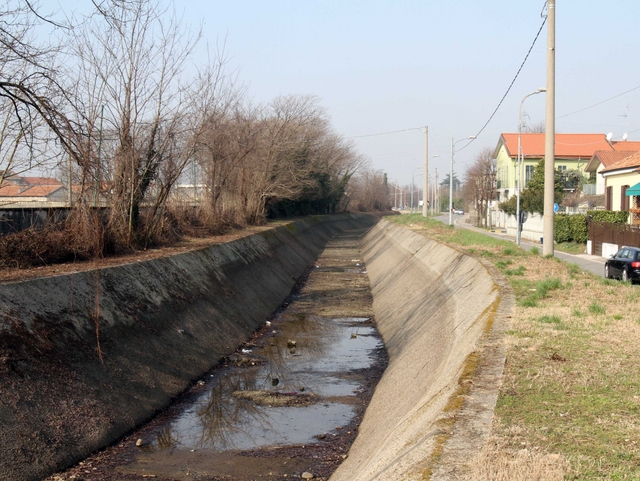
x: 520, y: 159
x: 412, y: 188
x: 453, y: 146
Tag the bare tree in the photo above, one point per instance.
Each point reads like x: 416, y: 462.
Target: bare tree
x: 34, y: 129
x: 479, y: 186
x: 132, y: 54
x: 368, y: 191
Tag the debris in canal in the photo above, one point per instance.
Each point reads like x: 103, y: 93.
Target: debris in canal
x: 276, y: 399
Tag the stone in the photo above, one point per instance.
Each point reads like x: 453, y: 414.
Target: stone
x: 307, y: 475
x: 139, y: 442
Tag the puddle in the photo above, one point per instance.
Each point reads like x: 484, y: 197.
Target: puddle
x: 289, y: 400
x: 308, y: 356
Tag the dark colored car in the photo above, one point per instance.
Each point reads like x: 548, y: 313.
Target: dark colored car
x: 625, y: 264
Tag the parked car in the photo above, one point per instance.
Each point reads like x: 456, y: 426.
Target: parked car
x: 458, y: 211
x: 625, y: 264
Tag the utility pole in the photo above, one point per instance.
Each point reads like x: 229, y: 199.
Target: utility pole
x: 550, y: 131
x: 436, y: 197
x: 425, y: 181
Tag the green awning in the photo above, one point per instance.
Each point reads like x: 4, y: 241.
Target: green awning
x: 635, y: 190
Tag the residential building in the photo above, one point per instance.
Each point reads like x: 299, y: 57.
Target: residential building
x: 572, y: 151
x: 622, y: 186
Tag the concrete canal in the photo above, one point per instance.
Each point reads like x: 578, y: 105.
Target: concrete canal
x: 337, y: 346
x: 288, y: 401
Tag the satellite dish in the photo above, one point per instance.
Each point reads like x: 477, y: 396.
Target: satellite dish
x: 624, y: 136
x: 609, y: 136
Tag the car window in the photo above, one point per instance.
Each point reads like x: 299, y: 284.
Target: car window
x: 620, y: 253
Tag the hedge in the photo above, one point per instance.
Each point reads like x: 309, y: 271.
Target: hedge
x: 574, y: 228
x: 608, y: 216
x: 570, y: 228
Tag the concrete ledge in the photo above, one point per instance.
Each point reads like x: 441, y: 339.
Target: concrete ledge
x: 432, y: 305
x: 84, y: 358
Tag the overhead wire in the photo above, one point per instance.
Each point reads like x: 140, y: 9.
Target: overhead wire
x: 599, y: 103
x: 544, y: 21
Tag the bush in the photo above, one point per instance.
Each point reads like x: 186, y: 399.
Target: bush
x: 562, y: 228
x: 608, y: 216
x: 570, y: 228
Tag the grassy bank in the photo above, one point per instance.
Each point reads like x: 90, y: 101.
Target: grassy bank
x: 569, y: 407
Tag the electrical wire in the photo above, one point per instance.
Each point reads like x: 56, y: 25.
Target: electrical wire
x: 599, y: 103
x: 509, y: 89
x: 384, y: 133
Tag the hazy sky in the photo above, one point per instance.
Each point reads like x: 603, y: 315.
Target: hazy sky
x: 391, y: 65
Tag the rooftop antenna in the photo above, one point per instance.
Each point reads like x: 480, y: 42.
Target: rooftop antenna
x: 624, y: 136
x: 609, y: 136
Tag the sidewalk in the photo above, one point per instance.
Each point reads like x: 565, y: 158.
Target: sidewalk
x: 586, y: 262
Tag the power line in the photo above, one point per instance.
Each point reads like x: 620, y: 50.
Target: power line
x: 383, y: 133
x: 599, y: 103
x: 509, y: 89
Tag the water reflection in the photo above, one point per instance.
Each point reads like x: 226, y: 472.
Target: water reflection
x: 325, y: 349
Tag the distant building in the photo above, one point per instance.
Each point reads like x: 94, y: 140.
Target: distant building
x: 572, y: 151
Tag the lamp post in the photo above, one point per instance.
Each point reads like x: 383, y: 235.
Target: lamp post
x: 520, y: 159
x: 412, y: 185
x: 453, y: 146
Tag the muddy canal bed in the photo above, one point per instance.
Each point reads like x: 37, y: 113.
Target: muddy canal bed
x: 288, y: 402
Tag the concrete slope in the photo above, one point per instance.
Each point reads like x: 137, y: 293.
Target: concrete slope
x: 84, y: 358
x: 433, y: 307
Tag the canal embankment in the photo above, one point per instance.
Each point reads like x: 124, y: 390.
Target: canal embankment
x: 86, y: 357
x: 441, y: 315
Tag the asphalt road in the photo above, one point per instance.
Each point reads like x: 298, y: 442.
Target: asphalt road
x: 587, y: 262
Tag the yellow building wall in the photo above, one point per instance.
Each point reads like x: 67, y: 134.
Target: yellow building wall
x: 616, y: 182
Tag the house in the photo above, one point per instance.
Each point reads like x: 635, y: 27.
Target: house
x: 603, y: 159
x: 622, y: 186
x: 17, y: 191
x: 572, y: 151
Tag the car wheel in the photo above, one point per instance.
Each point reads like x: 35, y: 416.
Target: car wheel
x: 625, y: 275
x: 606, y: 272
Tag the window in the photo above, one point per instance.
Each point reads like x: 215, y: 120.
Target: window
x: 562, y: 168
x: 528, y: 174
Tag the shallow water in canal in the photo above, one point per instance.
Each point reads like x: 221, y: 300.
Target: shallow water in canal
x: 288, y: 401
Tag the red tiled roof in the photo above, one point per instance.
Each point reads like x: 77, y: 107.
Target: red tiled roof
x: 40, y: 190
x: 626, y: 163
x: 10, y: 190
x: 626, y: 145
x: 607, y: 158
x: 567, y: 145
x: 43, y: 180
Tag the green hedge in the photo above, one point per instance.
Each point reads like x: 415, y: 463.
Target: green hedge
x: 574, y: 228
x: 609, y: 216
x: 570, y: 228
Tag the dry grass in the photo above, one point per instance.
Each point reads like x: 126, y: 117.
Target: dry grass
x: 569, y: 406
x: 498, y: 462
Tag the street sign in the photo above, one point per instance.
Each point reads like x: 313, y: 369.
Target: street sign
x: 556, y: 207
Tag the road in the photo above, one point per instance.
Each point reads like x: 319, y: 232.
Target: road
x: 586, y: 262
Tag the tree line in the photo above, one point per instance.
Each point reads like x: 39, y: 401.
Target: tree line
x: 120, y: 104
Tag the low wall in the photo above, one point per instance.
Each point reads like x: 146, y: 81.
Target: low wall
x: 84, y: 358
x: 434, y: 307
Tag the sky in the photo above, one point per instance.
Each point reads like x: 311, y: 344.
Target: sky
x: 399, y: 65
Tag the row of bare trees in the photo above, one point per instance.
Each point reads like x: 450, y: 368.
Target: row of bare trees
x: 479, y: 187
x: 120, y: 104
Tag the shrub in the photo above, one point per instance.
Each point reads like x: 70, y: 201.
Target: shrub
x: 608, y: 216
x: 570, y: 228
